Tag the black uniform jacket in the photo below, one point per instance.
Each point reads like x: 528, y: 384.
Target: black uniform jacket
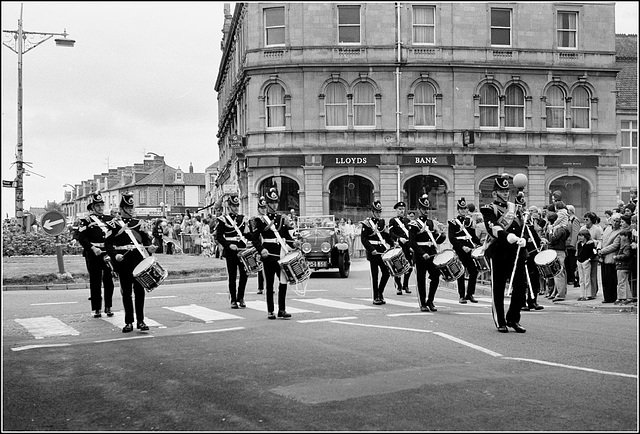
x: 371, y: 226
x: 263, y: 235
x: 419, y: 237
x: 501, y: 220
x: 226, y: 234
x: 92, y: 231
x: 399, y: 228
x: 118, y: 242
x: 458, y: 237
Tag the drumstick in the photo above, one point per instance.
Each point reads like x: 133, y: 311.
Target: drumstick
x: 515, y: 264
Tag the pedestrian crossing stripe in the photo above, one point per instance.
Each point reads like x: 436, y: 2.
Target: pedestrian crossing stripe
x: 46, y: 326
x: 262, y: 307
x: 335, y: 304
x: 205, y: 314
x: 118, y: 320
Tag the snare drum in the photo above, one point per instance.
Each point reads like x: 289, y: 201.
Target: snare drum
x: 251, y: 260
x: 548, y: 263
x: 295, y: 267
x: 396, y: 262
x: 149, y: 273
x: 449, y: 265
x: 481, y: 262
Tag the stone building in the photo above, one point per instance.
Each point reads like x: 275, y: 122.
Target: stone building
x: 338, y: 104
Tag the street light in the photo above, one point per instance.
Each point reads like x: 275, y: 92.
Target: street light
x: 20, y: 43
x: 164, y: 194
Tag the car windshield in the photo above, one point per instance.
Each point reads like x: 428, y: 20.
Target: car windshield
x: 322, y: 221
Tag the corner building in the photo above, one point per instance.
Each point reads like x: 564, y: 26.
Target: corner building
x: 338, y: 104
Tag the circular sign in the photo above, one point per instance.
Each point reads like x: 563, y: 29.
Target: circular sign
x: 53, y: 223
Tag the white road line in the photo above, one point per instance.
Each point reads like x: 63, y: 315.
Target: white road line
x: 468, y: 344
x: 471, y: 313
x: 46, y: 326
x: 261, y: 306
x: 327, y: 319
x: 413, y: 303
x: 335, y: 304
x: 128, y: 338
x: 383, y: 327
x: 560, y: 365
x: 409, y: 314
x: 48, y: 304
x: 203, y: 313
x: 160, y: 296
x: 216, y: 331
x: 118, y: 320
x: 31, y: 347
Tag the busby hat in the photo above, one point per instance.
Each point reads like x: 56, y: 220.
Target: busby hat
x: 423, y: 201
x: 399, y: 204
x: 126, y: 200
x: 501, y: 182
x: 233, y: 200
x: 519, y: 200
x: 262, y: 202
x: 272, y: 195
x: 376, y: 205
x: 95, y: 198
x: 462, y: 203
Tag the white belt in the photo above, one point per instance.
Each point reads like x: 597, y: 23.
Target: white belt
x: 270, y: 240
x: 232, y: 238
x: 127, y: 247
x: 375, y: 242
x: 98, y: 244
x: 463, y: 238
x: 424, y: 243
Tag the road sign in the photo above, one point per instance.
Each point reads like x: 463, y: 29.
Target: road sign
x: 53, y: 223
x: 10, y: 184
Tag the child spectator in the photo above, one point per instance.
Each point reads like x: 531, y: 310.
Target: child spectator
x: 623, y: 265
x: 586, y: 251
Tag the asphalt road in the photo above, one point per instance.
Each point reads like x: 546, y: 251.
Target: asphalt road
x: 339, y: 364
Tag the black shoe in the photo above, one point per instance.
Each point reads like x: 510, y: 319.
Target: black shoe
x: 241, y: 303
x: 128, y: 328
x: 431, y: 307
x: 517, y: 327
x: 407, y: 290
x: 107, y: 310
x: 96, y: 314
x: 377, y: 301
x: 424, y: 309
x: 525, y: 308
x: 234, y: 305
x: 382, y: 300
x: 471, y: 299
x: 283, y: 314
x: 537, y: 307
x: 462, y: 300
x: 259, y: 291
x: 399, y: 292
x: 142, y: 326
x: 503, y: 329
x: 271, y: 316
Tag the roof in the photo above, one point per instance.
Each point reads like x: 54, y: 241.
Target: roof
x: 155, y: 177
x: 627, y: 78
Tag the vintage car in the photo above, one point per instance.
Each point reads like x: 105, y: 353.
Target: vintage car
x: 323, y: 245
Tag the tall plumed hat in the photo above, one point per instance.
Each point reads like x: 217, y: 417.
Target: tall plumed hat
x: 462, y: 203
x: 126, y: 200
x: 272, y: 195
x: 233, y: 200
x: 399, y: 204
x: 501, y: 183
x: 376, y: 206
x: 95, y: 198
x: 423, y: 201
x: 262, y: 202
x: 519, y: 200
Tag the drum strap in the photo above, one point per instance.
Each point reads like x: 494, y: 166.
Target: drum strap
x: 277, y: 234
x: 235, y: 226
x: 406, y: 232
x: 100, y: 224
x: 468, y: 236
x: 374, y: 227
x: 142, y: 251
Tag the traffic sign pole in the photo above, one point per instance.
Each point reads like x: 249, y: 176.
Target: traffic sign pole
x: 59, y: 255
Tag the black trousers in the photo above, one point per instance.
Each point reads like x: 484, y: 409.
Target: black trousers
x: 233, y: 265
x: 99, y: 275
x: 375, y: 264
x: 534, y: 278
x: 471, y: 268
x: 271, y: 270
x: 129, y: 286
x: 422, y: 266
x: 501, y: 269
x: 609, y: 282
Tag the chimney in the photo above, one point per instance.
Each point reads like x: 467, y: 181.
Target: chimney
x: 190, y: 167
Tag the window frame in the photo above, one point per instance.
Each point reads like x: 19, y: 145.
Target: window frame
x: 550, y: 107
x: 424, y: 106
x: 414, y: 25
x: 522, y: 107
x: 358, y: 105
x: 496, y: 107
x: 328, y: 105
x: 574, y: 108
x: 559, y: 30
x: 268, y: 107
x: 339, y: 26
x: 492, y: 27
x: 631, y: 150
x: 267, y: 28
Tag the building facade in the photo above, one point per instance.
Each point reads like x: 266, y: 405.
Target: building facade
x: 338, y: 104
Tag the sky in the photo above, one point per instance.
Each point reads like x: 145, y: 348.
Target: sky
x: 140, y: 79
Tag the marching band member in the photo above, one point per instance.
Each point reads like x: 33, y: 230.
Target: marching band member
x: 399, y: 230
x: 262, y: 211
x: 124, y: 243
x: 423, y: 239
x: 504, y: 229
x: 373, y: 237
x: 230, y: 234
x: 534, y: 244
x: 91, y: 233
x: 463, y: 239
x: 269, y: 229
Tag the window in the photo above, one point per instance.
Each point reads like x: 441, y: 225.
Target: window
x: 142, y: 197
x: 514, y: 107
x: 364, y: 105
x: 349, y: 24
x: 424, y: 28
x: 424, y: 105
x: 179, y: 197
x: 580, y: 108
x: 567, y: 29
x: 500, y: 26
x: 275, y: 107
x: 274, y: 26
x: 335, y: 105
x: 555, y: 107
x: 489, y: 106
x: 629, y: 140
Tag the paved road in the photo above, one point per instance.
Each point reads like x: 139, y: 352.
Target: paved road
x: 340, y: 363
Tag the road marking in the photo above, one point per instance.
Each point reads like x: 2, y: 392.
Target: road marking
x: 118, y: 320
x: 261, y: 306
x: 335, y: 304
x: 31, y: 347
x: 560, y: 365
x: 46, y: 326
x: 216, y: 331
x: 468, y: 344
x: 413, y: 303
x: 471, y: 313
x: 383, y: 327
x: 327, y: 319
x: 159, y: 297
x: 48, y: 304
x: 123, y: 339
x: 203, y: 313
x: 409, y: 314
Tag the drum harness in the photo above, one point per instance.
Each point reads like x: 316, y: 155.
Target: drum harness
x: 107, y: 258
x: 425, y: 228
x: 240, y: 235
x: 374, y: 228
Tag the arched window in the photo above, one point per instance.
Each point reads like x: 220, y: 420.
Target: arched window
x: 514, y: 107
x: 489, y: 106
x: 350, y: 197
x: 555, y: 107
x: 364, y: 105
x: 424, y: 105
x: 335, y: 105
x: 275, y: 106
x: 580, y: 108
x: 288, y: 190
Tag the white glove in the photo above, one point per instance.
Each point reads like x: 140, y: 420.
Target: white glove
x: 512, y: 238
x: 522, y: 242
x: 96, y: 251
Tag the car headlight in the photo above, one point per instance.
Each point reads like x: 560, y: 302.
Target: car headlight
x: 306, y: 247
x: 325, y: 247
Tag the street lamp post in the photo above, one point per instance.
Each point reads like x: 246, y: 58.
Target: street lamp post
x: 21, y: 42
x: 164, y: 194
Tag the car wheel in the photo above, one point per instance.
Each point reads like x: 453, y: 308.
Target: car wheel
x: 344, y: 264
